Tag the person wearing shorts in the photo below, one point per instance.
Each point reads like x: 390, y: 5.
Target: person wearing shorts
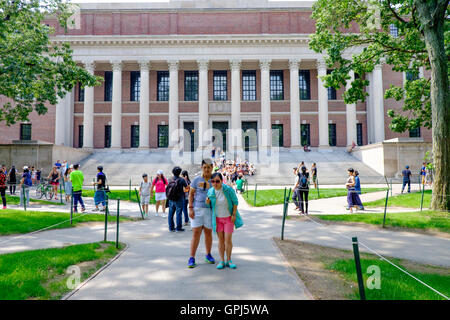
x: 159, y: 184
x: 224, y: 204
x: 144, y: 193
x: 54, y: 180
x: 200, y: 213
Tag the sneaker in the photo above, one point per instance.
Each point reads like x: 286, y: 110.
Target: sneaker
x: 4, y: 207
x: 156, y: 215
x: 186, y: 224
x: 83, y: 210
x: 96, y: 209
x: 209, y: 258
x: 191, y: 262
x: 221, y: 265
x: 180, y: 230
x: 172, y: 230
x: 231, y: 265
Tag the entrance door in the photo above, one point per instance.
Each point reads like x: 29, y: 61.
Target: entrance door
x: 250, y: 135
x: 277, y: 135
x: 189, y: 134
x: 305, y: 134
x: 220, y: 134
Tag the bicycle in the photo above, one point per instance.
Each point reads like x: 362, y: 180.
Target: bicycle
x: 44, y: 189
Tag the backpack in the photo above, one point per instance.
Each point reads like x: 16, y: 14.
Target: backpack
x: 172, y: 192
x: 303, y: 181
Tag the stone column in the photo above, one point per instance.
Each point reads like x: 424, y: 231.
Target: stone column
x: 88, y: 113
x: 116, y: 109
x: 202, y: 103
x: 351, y: 114
x: 266, y: 129
x: 60, y: 119
x: 322, y: 105
x: 378, y: 103
x: 295, y: 103
x: 173, y: 103
x: 236, y: 124
x: 144, y: 101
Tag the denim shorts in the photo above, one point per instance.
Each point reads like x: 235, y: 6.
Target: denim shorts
x: 202, y: 217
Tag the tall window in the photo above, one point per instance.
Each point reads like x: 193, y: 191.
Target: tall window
x: 304, y: 84
x: 191, y: 86
x: 331, y: 90
x: 163, y: 86
x: 248, y: 85
x: 393, y: 30
x: 277, y: 135
x: 276, y: 85
x: 220, y: 85
x: 414, y: 133
x: 134, y: 136
x: 135, y: 85
x: 332, y: 134
x: 163, y: 136
x: 412, y: 75
x: 80, y: 92
x: 359, y: 134
x: 25, y: 131
x: 108, y: 85
x: 305, y: 134
x: 80, y: 136
x: 107, y: 136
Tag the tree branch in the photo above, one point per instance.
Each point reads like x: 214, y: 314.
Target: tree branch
x: 395, y: 13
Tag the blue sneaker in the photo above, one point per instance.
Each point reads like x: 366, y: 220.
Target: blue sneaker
x: 221, y: 265
x: 230, y: 264
x: 191, y: 262
x: 209, y: 258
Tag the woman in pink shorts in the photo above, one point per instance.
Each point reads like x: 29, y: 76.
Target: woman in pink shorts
x: 226, y: 217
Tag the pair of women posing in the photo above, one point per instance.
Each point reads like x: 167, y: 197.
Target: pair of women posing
x: 213, y: 207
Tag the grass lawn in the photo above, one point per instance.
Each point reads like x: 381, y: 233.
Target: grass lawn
x: 407, y: 200
x: 41, y: 274
x: 270, y: 197
x: 426, y: 220
x: 16, y: 200
x: 119, y: 194
x: 18, y: 221
x: 330, y: 273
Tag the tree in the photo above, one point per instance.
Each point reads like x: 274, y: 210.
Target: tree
x: 363, y: 26
x: 33, y: 71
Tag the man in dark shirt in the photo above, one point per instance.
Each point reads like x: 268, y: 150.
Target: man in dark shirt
x: 406, y: 179
x: 100, y: 195
x: 176, y: 203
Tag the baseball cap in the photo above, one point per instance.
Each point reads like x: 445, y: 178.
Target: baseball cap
x: 159, y: 172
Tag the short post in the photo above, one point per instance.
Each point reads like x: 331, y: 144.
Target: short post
x: 117, y: 224
x: 362, y: 294
x: 60, y: 192
x: 24, y: 198
x: 284, y: 218
x: 317, y: 183
x: 129, y: 192
x: 385, y: 206
x: 139, y: 202
x: 284, y: 196
x: 71, y: 205
x: 254, y: 198
x: 106, y: 220
x: 287, y: 200
x: 391, y: 187
x: 421, y: 200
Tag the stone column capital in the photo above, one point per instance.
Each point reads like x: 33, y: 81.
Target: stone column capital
x: 321, y: 64
x: 294, y: 63
x: 173, y: 65
x: 144, y: 64
x: 89, y: 65
x: 116, y: 65
x: 203, y: 64
x: 235, y: 64
x: 264, y: 64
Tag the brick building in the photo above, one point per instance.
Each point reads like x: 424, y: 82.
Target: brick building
x: 184, y: 71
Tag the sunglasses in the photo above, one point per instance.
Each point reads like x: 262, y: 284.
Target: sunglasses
x: 215, y: 181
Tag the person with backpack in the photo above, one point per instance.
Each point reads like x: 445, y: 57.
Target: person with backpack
x: 25, y: 185
x: 100, y: 192
x: 200, y: 213
x: 406, y: 174
x: 144, y: 193
x: 3, y: 186
x: 302, y: 185
x: 159, y: 184
x: 175, y: 190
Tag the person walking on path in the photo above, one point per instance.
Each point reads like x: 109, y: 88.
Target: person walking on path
x: 314, y: 174
x: 175, y: 193
x: 54, y: 180
x: 295, y: 192
x: 77, y: 178
x: 33, y: 175
x: 353, y: 199
x: 406, y: 174
x: 200, y: 213
x: 302, y: 186
x: 159, y: 184
x: 185, y: 176
x: 67, y: 183
x: 12, y: 180
x: 225, y: 217
x: 357, y: 198
x: 423, y: 172
x: 144, y: 193
x: 25, y: 185
x: 100, y: 192
x: 3, y: 186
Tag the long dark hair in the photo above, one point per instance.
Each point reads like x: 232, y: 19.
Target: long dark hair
x: 186, y: 174
x: 163, y: 178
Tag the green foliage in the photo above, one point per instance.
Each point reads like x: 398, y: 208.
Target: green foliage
x: 33, y: 70
x: 343, y: 26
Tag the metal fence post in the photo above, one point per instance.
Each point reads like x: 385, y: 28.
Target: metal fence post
x: 254, y: 198
x: 117, y: 224
x: 139, y: 202
x: 24, y: 198
x: 362, y: 294
x: 60, y: 193
x: 71, y: 206
x: 421, y: 200
x: 284, y: 218
x: 317, y: 183
x: 106, y: 220
x: 391, y: 187
x: 385, y: 206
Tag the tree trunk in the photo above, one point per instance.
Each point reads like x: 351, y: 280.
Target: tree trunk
x: 440, y: 102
